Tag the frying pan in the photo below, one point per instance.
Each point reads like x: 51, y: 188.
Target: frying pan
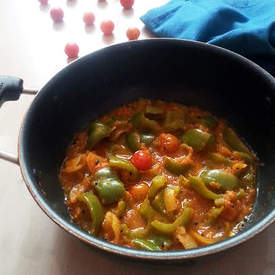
x: 187, y: 72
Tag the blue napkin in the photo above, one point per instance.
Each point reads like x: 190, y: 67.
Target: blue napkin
x: 243, y: 26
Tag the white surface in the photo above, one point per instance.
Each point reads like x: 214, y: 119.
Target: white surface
x: 32, y: 47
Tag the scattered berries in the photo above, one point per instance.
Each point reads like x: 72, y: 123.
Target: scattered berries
x: 127, y: 4
x: 107, y: 27
x: 89, y: 18
x: 71, y: 50
x: 57, y: 14
x: 43, y: 2
x: 133, y: 33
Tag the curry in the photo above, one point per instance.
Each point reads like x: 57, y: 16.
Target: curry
x: 158, y: 176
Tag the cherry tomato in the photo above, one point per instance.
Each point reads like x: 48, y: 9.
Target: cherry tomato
x: 139, y: 191
x: 57, y: 14
x: 142, y: 160
x: 133, y: 33
x: 107, y: 27
x: 127, y: 4
x: 71, y: 50
x: 168, y: 143
x: 43, y: 2
x: 88, y: 18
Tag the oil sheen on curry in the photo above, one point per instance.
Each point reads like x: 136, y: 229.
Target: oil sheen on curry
x: 159, y: 176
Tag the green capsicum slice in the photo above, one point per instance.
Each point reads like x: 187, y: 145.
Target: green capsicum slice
x: 124, y: 164
x: 98, y: 131
x: 234, y: 142
x: 95, y: 209
x: 174, y: 120
x: 175, y: 167
x: 104, y: 173
x: 139, y: 121
x: 225, y: 180
x: 196, y: 138
x: 147, y: 138
x: 169, y: 228
x: 208, y: 121
x: 110, y: 190
x: 133, y: 141
x: 158, y: 182
x: 199, y: 186
x: 145, y: 245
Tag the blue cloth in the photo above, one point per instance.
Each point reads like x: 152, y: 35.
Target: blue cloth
x: 243, y: 26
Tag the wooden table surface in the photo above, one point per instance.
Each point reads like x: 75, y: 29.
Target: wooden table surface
x: 32, y: 47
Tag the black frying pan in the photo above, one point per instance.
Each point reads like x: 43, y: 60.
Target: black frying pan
x: 188, y: 72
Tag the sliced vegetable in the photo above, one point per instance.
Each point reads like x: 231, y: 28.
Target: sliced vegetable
x: 214, y: 213
x: 174, y: 120
x: 104, y: 173
x: 110, y: 190
x: 154, y: 112
x: 170, y: 200
x: 185, y: 239
x: 112, y: 221
x: 95, y: 209
x: 145, y: 245
x: 120, y: 209
x: 136, y: 233
x: 234, y: 142
x: 209, y: 121
x: 158, y: 182
x: 196, y: 138
x: 217, y: 158
x: 146, y: 210
x: 175, y: 167
x: 199, y: 186
x: 75, y: 164
x: 147, y: 138
x: 162, y: 241
x: 98, y: 131
x: 139, y: 121
x: 169, y: 228
x: 243, y: 156
x: 133, y: 141
x: 123, y: 164
x: 241, y: 194
x: 158, y: 202
x: 225, y: 180
x: 203, y: 240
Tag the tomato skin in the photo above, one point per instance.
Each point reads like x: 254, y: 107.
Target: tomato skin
x: 71, y: 50
x: 133, y: 33
x: 107, y: 27
x: 127, y: 4
x: 168, y: 143
x: 139, y: 191
x: 88, y: 18
x: 142, y: 160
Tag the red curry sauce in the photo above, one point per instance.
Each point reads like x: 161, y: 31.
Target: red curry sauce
x: 159, y: 176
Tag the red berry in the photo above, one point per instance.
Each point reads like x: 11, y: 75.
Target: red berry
x: 57, y: 14
x: 127, y: 4
x: 107, y: 27
x: 89, y: 18
x: 71, y: 50
x: 133, y: 33
x: 43, y: 2
x: 142, y: 160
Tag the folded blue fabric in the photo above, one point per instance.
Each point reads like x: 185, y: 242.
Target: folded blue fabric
x: 243, y: 26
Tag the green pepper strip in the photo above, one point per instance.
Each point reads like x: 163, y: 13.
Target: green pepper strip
x: 123, y: 164
x: 175, y: 167
x: 234, y: 141
x: 169, y: 228
x: 146, y: 245
x: 136, y: 233
x: 146, y: 210
x: 240, y: 194
x: 147, y: 138
x: 133, y: 141
x: 196, y: 138
x: 120, y: 209
x: 139, y: 121
x: 243, y: 156
x: 158, y: 182
x: 214, y: 213
x: 209, y: 121
x: 225, y: 180
x: 174, y: 120
x: 158, y: 202
x: 219, y: 159
x: 199, y: 186
x: 95, y: 208
x: 153, y: 110
x: 98, y: 132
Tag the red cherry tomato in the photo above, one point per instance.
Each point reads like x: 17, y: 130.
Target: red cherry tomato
x: 142, y: 160
x: 71, y: 50
x: 133, y: 33
x: 107, y: 27
x: 57, y: 14
x: 43, y: 2
x: 127, y: 4
x: 88, y: 18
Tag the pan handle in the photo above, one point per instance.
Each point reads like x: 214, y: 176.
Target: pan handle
x: 11, y: 88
